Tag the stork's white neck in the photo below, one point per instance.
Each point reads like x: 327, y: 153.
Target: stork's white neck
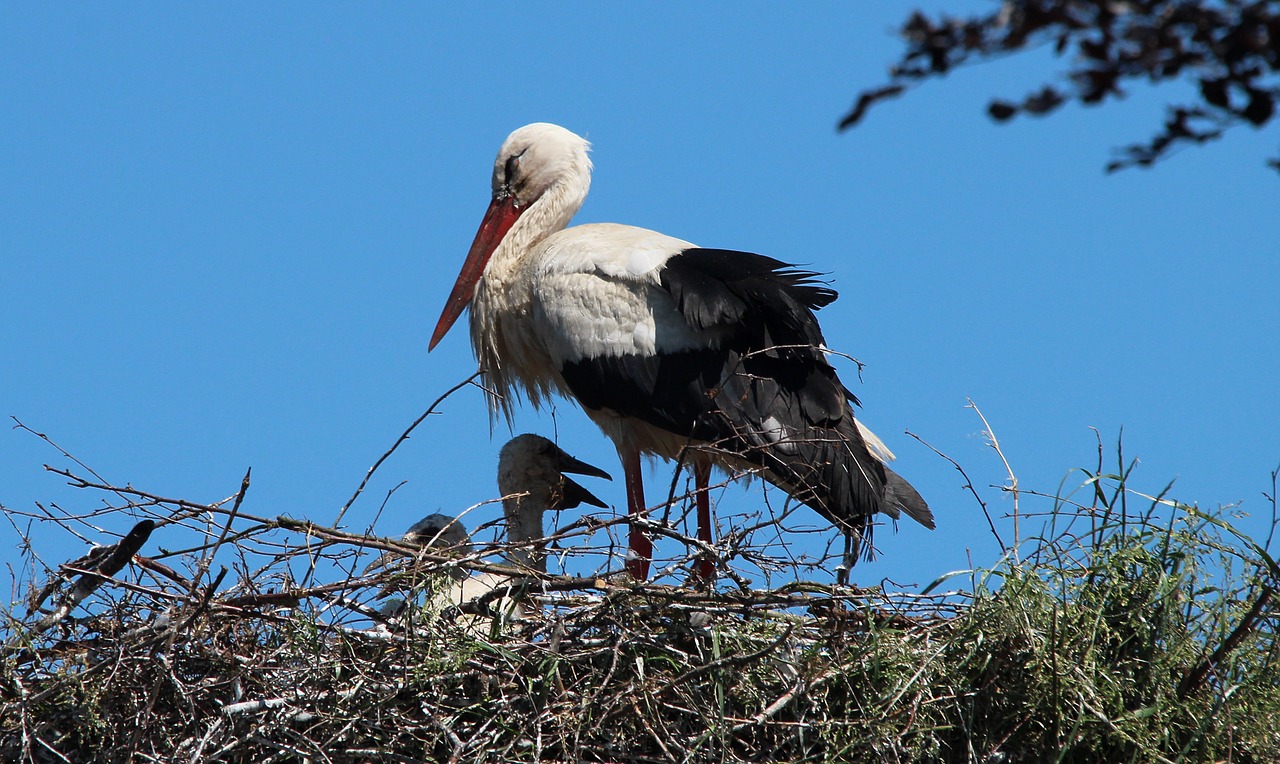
x: 524, y: 514
x: 551, y: 212
x: 500, y: 333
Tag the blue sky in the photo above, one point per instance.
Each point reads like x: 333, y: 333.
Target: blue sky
x: 226, y: 232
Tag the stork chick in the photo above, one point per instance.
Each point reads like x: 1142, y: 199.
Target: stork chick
x: 533, y: 476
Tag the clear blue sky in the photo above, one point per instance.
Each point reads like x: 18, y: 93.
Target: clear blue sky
x: 226, y: 231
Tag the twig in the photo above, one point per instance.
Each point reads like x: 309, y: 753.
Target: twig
x: 773, y: 708
x: 1196, y: 676
x: 1013, y: 479
x: 403, y: 437
x: 20, y: 426
x: 1272, y: 499
x: 253, y: 706
x: 727, y: 661
x: 203, y: 566
x: 968, y: 484
x: 126, y: 491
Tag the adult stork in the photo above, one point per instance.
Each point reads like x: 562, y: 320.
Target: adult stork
x: 665, y: 345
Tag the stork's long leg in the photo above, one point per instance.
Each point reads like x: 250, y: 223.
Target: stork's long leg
x: 704, y: 569
x: 846, y: 562
x: 641, y: 546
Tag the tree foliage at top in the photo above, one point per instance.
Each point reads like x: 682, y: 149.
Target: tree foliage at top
x: 1230, y: 49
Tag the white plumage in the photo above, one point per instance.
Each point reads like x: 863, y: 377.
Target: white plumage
x: 664, y: 344
x: 533, y: 477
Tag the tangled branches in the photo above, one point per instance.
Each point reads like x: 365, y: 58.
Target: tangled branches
x: 279, y: 664
x: 1230, y: 50
x: 1113, y: 635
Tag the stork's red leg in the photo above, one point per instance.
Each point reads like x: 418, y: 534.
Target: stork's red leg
x: 641, y: 547
x: 704, y: 569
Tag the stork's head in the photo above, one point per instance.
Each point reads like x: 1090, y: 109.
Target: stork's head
x: 536, y: 471
x: 440, y: 531
x: 536, y: 157
x: 532, y: 477
x: 534, y: 162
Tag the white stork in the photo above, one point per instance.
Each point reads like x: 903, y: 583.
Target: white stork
x: 665, y: 345
x: 533, y: 476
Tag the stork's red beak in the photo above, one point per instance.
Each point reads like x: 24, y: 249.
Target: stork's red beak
x: 502, y: 213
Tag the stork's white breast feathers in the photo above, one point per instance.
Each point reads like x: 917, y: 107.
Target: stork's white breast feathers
x: 613, y: 250
x: 597, y: 294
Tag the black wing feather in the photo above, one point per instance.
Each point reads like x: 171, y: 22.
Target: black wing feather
x: 766, y: 395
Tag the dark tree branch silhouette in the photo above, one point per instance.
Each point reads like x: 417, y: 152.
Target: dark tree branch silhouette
x: 1229, y: 48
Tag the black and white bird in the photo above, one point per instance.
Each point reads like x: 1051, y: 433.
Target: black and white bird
x: 440, y: 531
x: 665, y: 345
x: 533, y: 476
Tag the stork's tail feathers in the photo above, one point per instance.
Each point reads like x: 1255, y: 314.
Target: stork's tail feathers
x: 900, y: 494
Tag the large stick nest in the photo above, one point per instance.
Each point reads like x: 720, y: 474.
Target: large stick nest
x: 1110, y: 637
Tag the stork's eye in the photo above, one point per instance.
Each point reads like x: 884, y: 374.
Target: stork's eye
x: 512, y: 167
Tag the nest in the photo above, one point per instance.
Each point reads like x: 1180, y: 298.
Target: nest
x: 1110, y: 637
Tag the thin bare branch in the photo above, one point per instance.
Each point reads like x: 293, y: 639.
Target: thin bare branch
x: 403, y: 437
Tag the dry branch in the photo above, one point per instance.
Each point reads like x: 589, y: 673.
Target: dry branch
x: 1098, y: 646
